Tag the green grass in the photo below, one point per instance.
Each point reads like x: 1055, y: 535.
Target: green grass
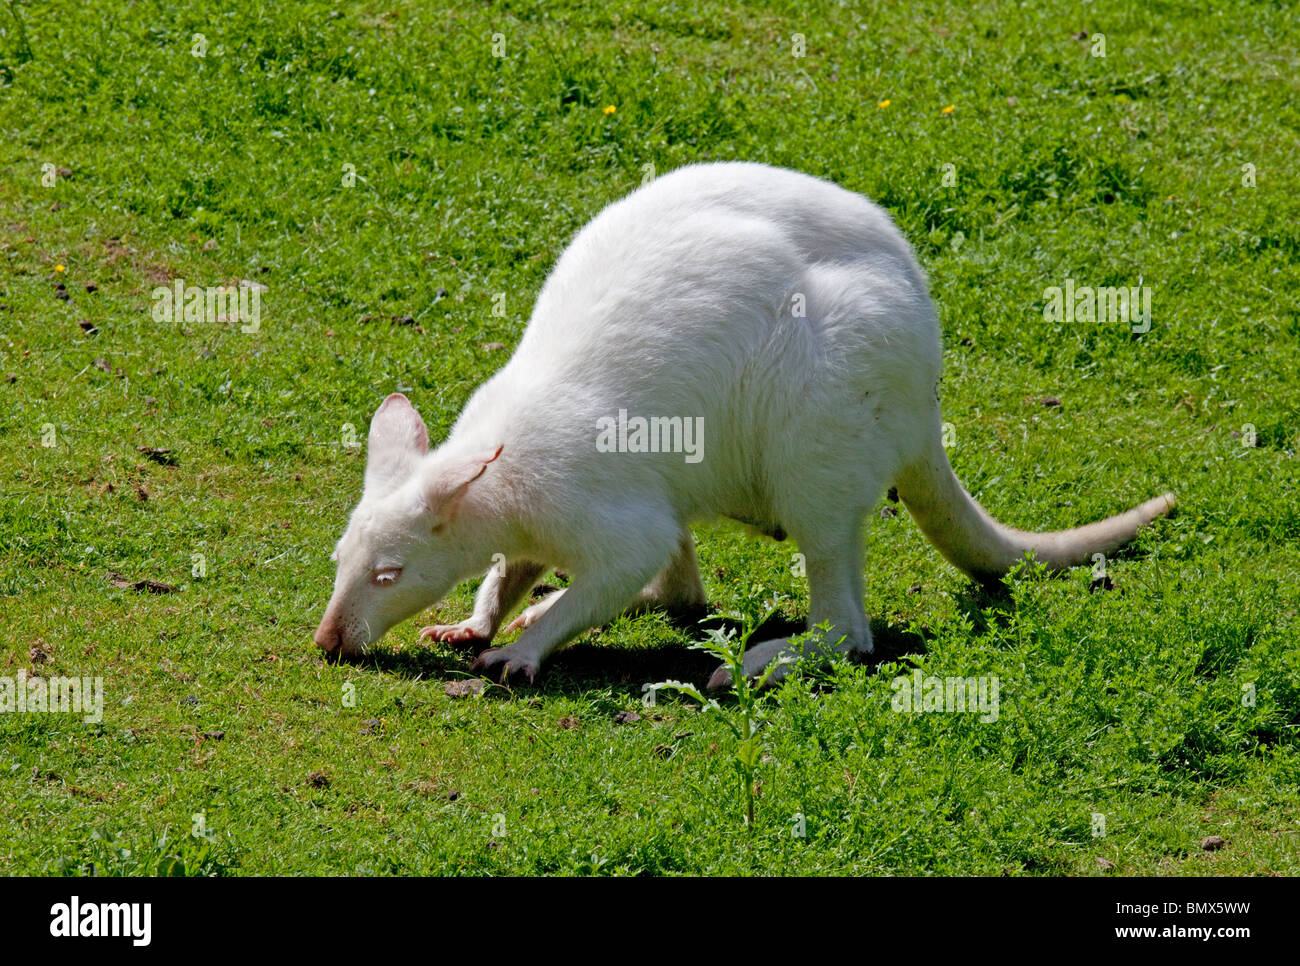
x: 472, y: 172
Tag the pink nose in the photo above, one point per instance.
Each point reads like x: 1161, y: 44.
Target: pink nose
x: 329, y: 637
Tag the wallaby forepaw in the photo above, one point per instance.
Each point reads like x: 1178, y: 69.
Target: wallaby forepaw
x: 521, y: 622
x: 466, y: 632
x: 531, y: 614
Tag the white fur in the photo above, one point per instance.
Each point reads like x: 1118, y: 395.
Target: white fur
x: 681, y: 300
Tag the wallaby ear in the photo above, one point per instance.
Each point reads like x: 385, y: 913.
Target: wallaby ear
x: 447, y: 483
x: 398, y: 440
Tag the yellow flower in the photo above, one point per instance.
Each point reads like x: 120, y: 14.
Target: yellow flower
x: 949, y: 109
x: 610, y: 109
x: 60, y: 268
x: 882, y: 103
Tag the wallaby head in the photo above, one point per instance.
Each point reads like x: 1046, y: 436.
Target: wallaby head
x: 406, y: 543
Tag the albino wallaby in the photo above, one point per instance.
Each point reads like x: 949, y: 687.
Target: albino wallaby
x: 729, y: 340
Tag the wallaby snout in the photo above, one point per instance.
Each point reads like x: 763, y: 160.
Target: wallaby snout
x: 329, y: 637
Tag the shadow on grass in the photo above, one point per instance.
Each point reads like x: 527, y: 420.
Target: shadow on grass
x: 591, y: 664
x: 985, y: 605
x: 588, y: 664
x: 415, y: 662
x: 989, y: 604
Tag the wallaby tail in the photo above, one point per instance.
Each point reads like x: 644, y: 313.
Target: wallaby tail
x: 970, y: 538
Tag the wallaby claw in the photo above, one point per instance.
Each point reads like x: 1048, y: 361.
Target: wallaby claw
x: 509, y: 662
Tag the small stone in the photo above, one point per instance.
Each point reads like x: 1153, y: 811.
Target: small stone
x: 163, y: 457
x: 152, y: 586
x: 466, y: 688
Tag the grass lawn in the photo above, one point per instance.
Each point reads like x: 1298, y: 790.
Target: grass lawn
x: 400, y: 179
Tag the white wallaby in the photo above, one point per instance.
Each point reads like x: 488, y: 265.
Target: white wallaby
x: 730, y: 340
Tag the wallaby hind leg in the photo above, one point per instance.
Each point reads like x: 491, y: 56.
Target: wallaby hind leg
x: 678, y: 586
x: 833, y: 553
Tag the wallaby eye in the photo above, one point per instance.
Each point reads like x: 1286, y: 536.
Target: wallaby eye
x: 389, y: 575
